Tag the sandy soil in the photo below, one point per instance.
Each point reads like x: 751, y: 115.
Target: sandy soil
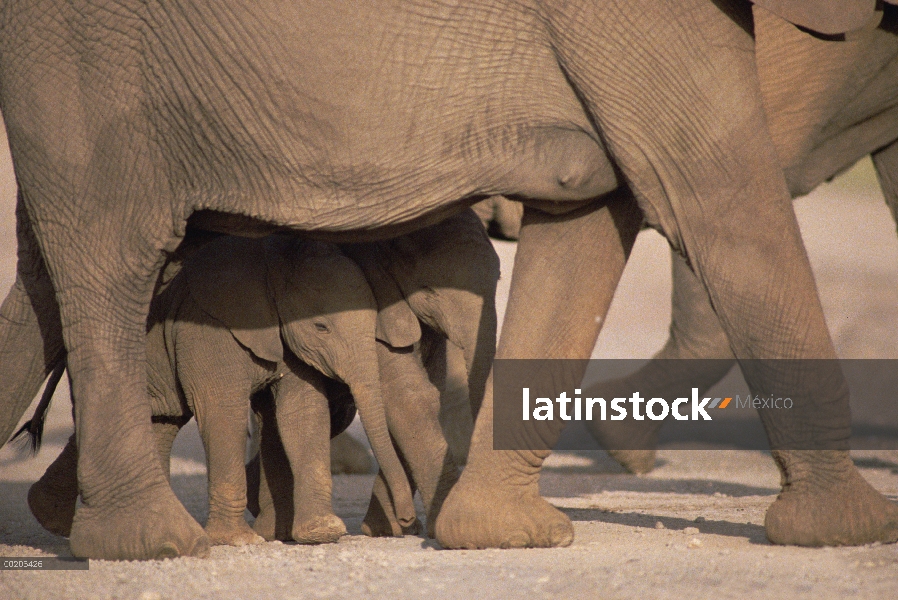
x: 692, y: 528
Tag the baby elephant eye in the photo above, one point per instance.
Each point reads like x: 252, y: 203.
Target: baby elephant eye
x: 322, y: 327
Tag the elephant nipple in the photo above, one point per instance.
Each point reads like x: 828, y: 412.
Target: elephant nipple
x: 561, y: 165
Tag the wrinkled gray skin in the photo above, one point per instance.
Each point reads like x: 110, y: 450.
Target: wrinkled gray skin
x: 694, y: 333
x: 813, y: 136
x: 125, y: 124
x: 435, y: 291
x: 242, y: 316
x: 814, y: 130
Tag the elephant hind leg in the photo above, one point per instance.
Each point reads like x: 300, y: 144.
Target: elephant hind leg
x: 695, y: 333
x: 128, y: 510
x: 53, y: 497
x: 810, y: 511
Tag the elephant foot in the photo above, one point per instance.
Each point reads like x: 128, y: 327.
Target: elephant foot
x: 484, y: 512
x: 826, y: 502
x: 157, y: 526
x: 264, y: 525
x: 635, y: 461
x: 53, y: 507
x: 380, y: 521
x: 231, y: 532
x: 631, y: 443
x: 324, y: 529
x: 349, y: 456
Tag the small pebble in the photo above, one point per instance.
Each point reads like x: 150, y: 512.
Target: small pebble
x: 691, y: 530
x: 659, y: 525
x: 694, y: 543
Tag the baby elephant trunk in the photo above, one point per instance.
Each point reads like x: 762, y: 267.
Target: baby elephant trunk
x: 370, y: 405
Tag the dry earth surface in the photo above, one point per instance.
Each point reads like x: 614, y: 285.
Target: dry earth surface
x: 692, y: 528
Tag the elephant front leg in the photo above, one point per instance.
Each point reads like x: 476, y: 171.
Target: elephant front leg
x: 304, y: 424
x: 566, y: 270
x: 221, y: 414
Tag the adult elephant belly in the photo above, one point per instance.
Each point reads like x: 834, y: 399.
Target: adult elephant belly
x: 366, y: 116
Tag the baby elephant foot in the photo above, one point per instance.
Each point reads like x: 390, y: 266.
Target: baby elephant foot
x: 272, y: 525
x: 231, y: 532
x: 53, y: 507
x: 826, y: 502
x: 324, y: 529
x: 381, y: 521
x: 377, y: 524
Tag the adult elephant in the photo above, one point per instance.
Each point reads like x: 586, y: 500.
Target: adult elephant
x: 827, y: 105
x: 129, y: 120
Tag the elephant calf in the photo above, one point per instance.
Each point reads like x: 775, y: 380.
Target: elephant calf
x: 435, y: 291
x: 281, y: 319
x: 246, y: 315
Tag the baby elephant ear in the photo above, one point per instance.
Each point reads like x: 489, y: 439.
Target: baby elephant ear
x: 397, y: 325
x: 228, y: 280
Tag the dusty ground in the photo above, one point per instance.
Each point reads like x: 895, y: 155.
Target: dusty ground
x: 692, y: 528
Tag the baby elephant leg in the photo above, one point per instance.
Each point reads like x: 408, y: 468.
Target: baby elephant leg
x: 304, y: 424
x: 221, y: 415
x: 53, y: 498
x: 412, y: 404
x: 268, y: 476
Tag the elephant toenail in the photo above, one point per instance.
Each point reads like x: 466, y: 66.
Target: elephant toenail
x: 518, y: 539
x: 168, y: 550
x: 561, y: 535
x: 202, y: 548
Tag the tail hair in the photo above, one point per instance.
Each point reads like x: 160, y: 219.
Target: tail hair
x: 30, y: 435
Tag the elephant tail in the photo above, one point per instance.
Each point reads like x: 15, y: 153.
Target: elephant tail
x: 35, y: 427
